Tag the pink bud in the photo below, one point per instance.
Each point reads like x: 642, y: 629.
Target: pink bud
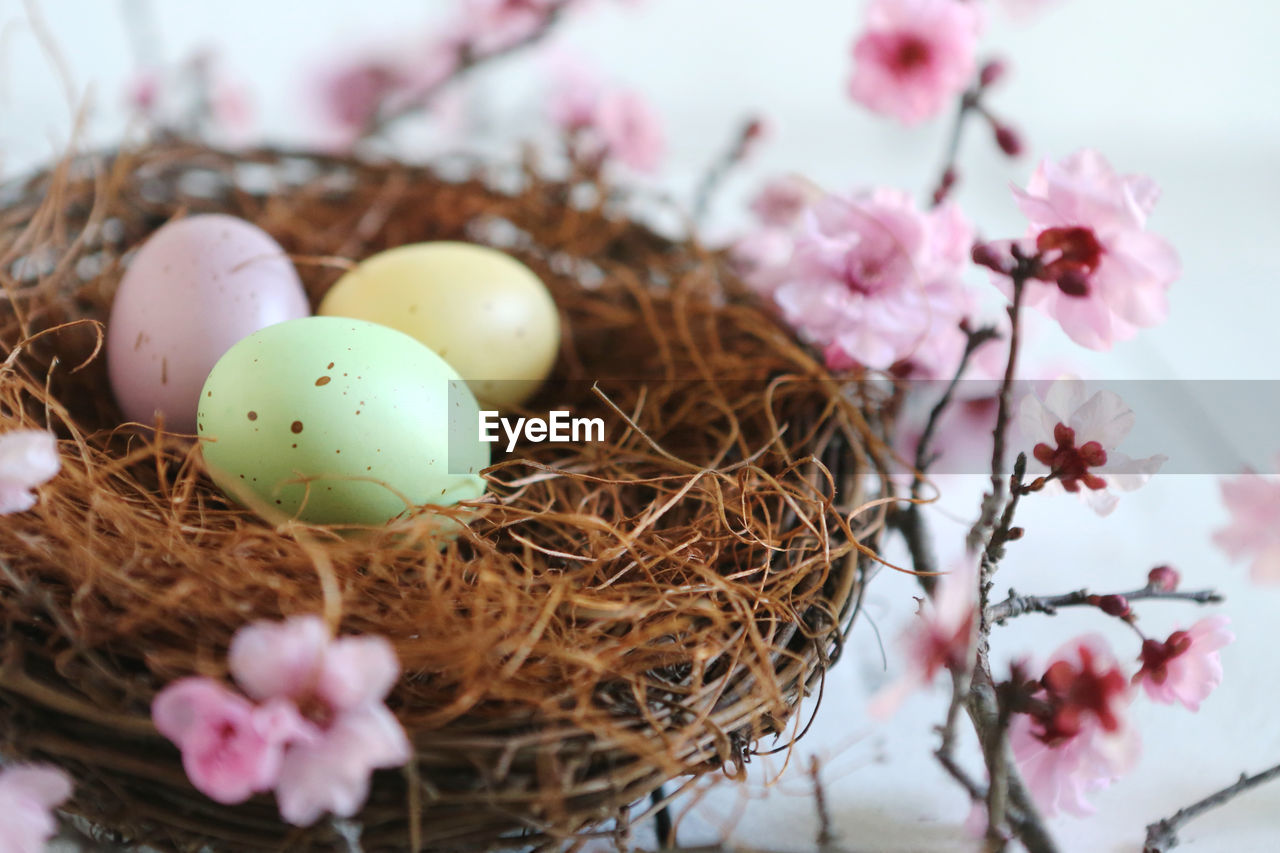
x: 1114, y: 605
x: 1163, y: 578
x: 1073, y: 282
x: 1008, y: 139
x: 984, y: 255
x: 991, y: 73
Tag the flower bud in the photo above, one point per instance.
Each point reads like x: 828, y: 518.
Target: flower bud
x: 1073, y: 282
x: 985, y: 255
x: 992, y: 72
x: 1163, y: 578
x: 1114, y: 605
x: 1008, y: 139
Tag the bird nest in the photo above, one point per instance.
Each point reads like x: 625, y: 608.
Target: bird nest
x: 614, y: 616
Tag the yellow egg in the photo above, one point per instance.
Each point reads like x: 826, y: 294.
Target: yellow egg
x: 485, y: 313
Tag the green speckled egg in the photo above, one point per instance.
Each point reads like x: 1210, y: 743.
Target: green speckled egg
x: 339, y: 421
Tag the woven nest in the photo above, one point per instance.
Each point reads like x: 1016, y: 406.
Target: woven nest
x: 615, y: 616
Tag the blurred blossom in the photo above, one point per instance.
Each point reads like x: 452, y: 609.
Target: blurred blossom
x: 28, y: 458
x: 605, y: 121
x: 29, y: 793
x: 782, y: 201
x: 940, y: 637
x: 1253, y: 532
x: 1089, y: 226
x: 195, y: 96
x: 1076, y: 438
x: 1186, y: 667
x: 1079, y: 739
x: 875, y: 281
x: 489, y: 26
x: 915, y: 56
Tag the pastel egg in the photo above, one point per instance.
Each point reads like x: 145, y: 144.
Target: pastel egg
x: 479, y: 309
x: 338, y: 421
x: 193, y: 289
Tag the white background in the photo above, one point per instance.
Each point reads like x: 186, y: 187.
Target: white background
x: 1185, y: 92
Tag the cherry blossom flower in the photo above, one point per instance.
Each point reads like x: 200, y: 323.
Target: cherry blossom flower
x: 1186, y: 667
x: 28, y: 458
x: 490, y: 26
x: 231, y: 749
x: 605, y: 121
x: 873, y: 280
x: 782, y: 202
x: 1089, y: 225
x: 1252, y: 533
x: 1075, y: 438
x: 939, y: 638
x: 350, y: 96
x: 915, y: 56
x: 339, y: 684
x: 28, y: 795
x: 1079, y: 740
x: 631, y: 130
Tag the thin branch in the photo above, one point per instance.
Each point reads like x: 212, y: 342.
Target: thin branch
x: 468, y: 60
x: 910, y: 521
x: 1163, y: 834
x: 992, y: 501
x: 947, y: 175
x: 720, y: 168
x: 1018, y: 605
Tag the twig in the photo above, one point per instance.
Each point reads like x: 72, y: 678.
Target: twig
x: 1163, y: 834
x: 662, y: 825
x: 468, y: 60
x: 969, y: 99
x: 826, y: 838
x: 909, y: 520
x: 722, y: 166
x: 1017, y: 605
x: 992, y: 501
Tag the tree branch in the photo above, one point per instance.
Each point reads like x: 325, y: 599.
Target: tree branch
x: 1018, y: 605
x: 1163, y: 834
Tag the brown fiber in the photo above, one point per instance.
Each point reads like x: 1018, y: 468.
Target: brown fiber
x: 615, y: 615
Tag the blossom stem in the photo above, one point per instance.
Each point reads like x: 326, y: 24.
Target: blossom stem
x: 910, y: 521
x: 468, y: 60
x: 722, y: 166
x: 1163, y: 834
x: 1018, y: 605
x: 969, y: 100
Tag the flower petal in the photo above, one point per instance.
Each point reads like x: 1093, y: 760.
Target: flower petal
x: 270, y: 659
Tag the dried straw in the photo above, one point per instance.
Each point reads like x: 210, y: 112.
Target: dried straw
x: 615, y: 615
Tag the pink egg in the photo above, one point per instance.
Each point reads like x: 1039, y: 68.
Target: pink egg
x: 195, y: 287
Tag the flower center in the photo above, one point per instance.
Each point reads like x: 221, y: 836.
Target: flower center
x: 1073, y: 255
x: 1071, y: 464
x: 912, y: 52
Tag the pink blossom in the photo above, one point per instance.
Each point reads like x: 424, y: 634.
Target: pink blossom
x: 1186, y: 667
x: 231, y: 749
x: 350, y: 96
x: 631, y: 130
x: 1061, y: 776
x: 760, y: 256
x: 1089, y: 224
x: 490, y: 26
x: 939, y: 638
x: 342, y: 684
x: 1252, y: 533
x: 876, y: 281
x: 915, y: 56
x: 28, y: 795
x: 606, y: 121
x: 782, y: 202
x: 28, y: 458
x: 1080, y: 741
x: 1075, y: 438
